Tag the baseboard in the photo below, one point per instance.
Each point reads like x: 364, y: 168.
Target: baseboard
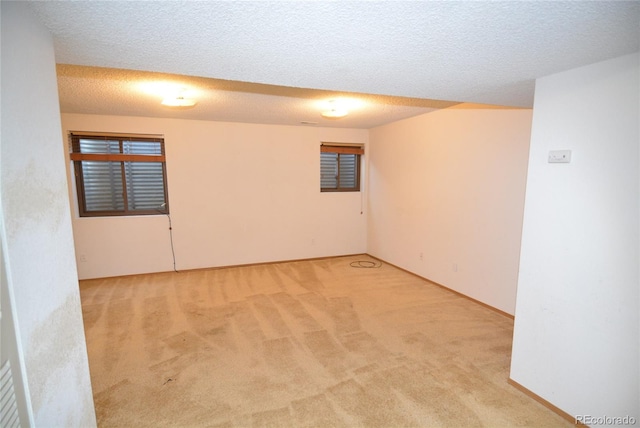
x: 319, y: 258
x: 503, y: 313
x: 227, y: 266
x: 545, y: 403
x: 310, y: 259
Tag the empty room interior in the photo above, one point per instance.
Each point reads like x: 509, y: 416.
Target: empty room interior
x: 320, y: 214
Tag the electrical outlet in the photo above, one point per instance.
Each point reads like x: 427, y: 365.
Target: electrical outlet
x: 455, y: 267
x: 421, y: 256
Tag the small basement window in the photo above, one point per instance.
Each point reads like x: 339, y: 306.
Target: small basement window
x: 119, y: 175
x: 340, y: 167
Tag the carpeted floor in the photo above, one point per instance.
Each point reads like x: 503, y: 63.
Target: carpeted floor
x: 299, y: 344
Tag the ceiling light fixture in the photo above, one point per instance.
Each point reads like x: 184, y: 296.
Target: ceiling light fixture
x: 178, y: 101
x: 336, y: 111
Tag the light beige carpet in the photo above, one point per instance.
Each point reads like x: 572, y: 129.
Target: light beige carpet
x: 298, y: 344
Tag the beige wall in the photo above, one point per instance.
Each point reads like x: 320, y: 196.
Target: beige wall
x: 577, y: 326
x: 35, y: 230
x: 238, y: 193
x: 446, y: 194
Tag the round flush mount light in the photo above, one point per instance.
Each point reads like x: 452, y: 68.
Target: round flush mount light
x: 172, y: 94
x: 335, y: 111
x: 178, y: 101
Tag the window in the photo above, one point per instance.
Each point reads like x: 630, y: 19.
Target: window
x: 340, y: 168
x: 119, y: 175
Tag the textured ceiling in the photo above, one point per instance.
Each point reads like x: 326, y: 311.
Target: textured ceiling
x: 96, y: 90
x: 476, y: 51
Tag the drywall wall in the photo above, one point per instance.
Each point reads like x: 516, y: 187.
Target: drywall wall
x: 576, y: 326
x: 37, y: 237
x: 238, y: 193
x: 446, y: 195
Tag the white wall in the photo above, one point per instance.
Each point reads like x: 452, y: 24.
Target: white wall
x: 449, y: 186
x: 36, y: 233
x: 576, y: 327
x: 238, y: 193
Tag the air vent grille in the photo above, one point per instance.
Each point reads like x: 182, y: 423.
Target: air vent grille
x: 9, y: 417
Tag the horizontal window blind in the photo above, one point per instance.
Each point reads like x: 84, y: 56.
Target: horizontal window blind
x: 102, y: 186
x: 145, y: 185
x: 329, y: 170
x: 348, y: 170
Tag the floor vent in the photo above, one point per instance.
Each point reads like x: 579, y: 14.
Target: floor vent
x: 8, y: 407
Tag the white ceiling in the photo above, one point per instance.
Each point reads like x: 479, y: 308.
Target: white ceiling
x: 257, y: 61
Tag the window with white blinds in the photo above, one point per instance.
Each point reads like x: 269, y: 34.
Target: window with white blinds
x: 340, y: 168
x: 119, y: 175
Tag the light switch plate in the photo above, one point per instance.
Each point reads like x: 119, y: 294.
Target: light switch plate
x: 560, y: 156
